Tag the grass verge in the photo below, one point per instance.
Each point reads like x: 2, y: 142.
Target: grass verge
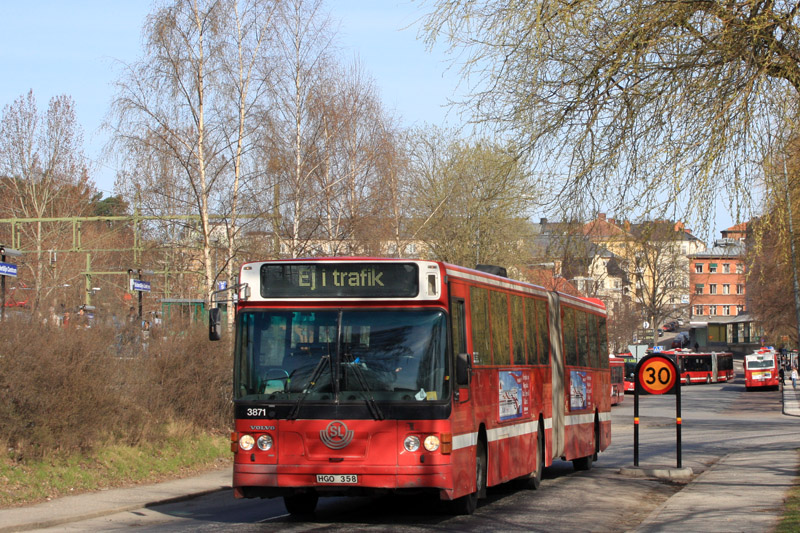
x: 115, y: 465
x: 790, y: 521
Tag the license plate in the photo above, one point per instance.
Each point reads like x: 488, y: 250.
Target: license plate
x: 337, y: 479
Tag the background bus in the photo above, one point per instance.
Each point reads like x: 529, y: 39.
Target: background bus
x: 629, y: 375
x: 710, y: 367
x: 617, y: 368
x: 761, y: 370
x: 363, y: 376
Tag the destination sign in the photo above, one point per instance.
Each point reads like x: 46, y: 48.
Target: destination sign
x: 8, y: 269
x: 339, y: 280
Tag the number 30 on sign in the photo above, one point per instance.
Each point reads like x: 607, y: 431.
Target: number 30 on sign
x: 657, y: 375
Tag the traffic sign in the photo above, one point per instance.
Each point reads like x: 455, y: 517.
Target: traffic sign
x: 139, y: 285
x: 8, y: 269
x: 656, y: 374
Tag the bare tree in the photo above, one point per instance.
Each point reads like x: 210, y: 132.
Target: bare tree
x: 659, y: 269
x: 303, y: 48
x: 629, y: 104
x: 42, y: 161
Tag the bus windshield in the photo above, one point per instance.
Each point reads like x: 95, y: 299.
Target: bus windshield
x: 763, y: 363
x: 341, y: 355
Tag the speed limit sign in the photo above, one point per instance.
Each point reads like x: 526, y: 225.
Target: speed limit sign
x: 656, y: 374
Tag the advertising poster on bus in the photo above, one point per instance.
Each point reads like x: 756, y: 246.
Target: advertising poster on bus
x: 580, y: 390
x: 514, y: 394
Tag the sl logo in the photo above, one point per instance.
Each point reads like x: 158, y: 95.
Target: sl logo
x: 336, y: 436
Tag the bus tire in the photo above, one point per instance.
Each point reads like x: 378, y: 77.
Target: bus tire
x: 303, y: 503
x: 536, y: 478
x: 466, y: 505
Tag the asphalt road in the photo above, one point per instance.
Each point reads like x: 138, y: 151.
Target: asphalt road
x: 717, y: 419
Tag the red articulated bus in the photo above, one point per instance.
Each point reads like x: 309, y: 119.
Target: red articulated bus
x: 707, y: 367
x: 761, y: 370
x: 617, y: 367
x: 358, y: 376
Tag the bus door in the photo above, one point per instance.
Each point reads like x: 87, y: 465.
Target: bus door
x: 557, y: 372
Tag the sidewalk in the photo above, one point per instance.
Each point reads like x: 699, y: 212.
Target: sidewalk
x: 737, y: 493
x: 721, y: 499
x: 96, y: 504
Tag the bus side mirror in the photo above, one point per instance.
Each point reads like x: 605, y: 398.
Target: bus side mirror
x: 214, y: 324
x: 463, y: 368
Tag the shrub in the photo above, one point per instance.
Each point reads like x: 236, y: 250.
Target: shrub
x: 66, y: 389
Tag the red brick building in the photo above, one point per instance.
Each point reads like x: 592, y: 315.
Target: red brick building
x: 717, y: 281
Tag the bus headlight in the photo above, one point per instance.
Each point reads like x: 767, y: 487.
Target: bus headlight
x: 246, y: 442
x: 431, y: 443
x: 264, y: 442
x: 411, y: 443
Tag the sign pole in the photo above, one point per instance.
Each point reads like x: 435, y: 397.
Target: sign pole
x: 3, y: 291
x: 636, y: 388
x: 678, y: 420
x: 656, y: 374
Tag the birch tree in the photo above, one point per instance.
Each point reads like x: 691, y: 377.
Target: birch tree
x: 182, y: 114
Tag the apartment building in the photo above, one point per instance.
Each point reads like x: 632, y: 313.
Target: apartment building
x: 717, y: 279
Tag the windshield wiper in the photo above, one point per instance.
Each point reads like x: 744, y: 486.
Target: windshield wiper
x: 312, y: 380
x: 374, y: 410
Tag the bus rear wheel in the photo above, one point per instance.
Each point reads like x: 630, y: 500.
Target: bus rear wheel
x: 534, y: 479
x: 301, y: 504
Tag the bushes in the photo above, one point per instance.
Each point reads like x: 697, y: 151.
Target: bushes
x: 67, y: 390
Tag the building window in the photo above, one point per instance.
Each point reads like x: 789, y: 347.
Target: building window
x: 698, y: 268
x: 739, y: 309
x: 698, y: 289
x: 712, y: 268
x: 726, y: 310
x: 712, y: 310
x: 726, y: 288
x: 698, y: 310
x: 739, y: 288
x: 740, y: 269
x: 712, y: 288
x: 726, y: 268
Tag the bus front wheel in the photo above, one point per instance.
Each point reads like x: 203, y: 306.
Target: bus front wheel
x: 466, y: 505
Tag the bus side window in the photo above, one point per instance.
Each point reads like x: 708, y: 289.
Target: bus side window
x: 458, y: 326
x: 518, y: 330
x: 531, y: 320
x: 570, y: 346
x: 544, y: 332
x: 479, y: 315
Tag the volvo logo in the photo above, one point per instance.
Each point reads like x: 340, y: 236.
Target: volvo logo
x: 336, y: 436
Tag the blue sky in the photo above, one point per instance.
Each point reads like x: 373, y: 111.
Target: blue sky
x: 74, y: 47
